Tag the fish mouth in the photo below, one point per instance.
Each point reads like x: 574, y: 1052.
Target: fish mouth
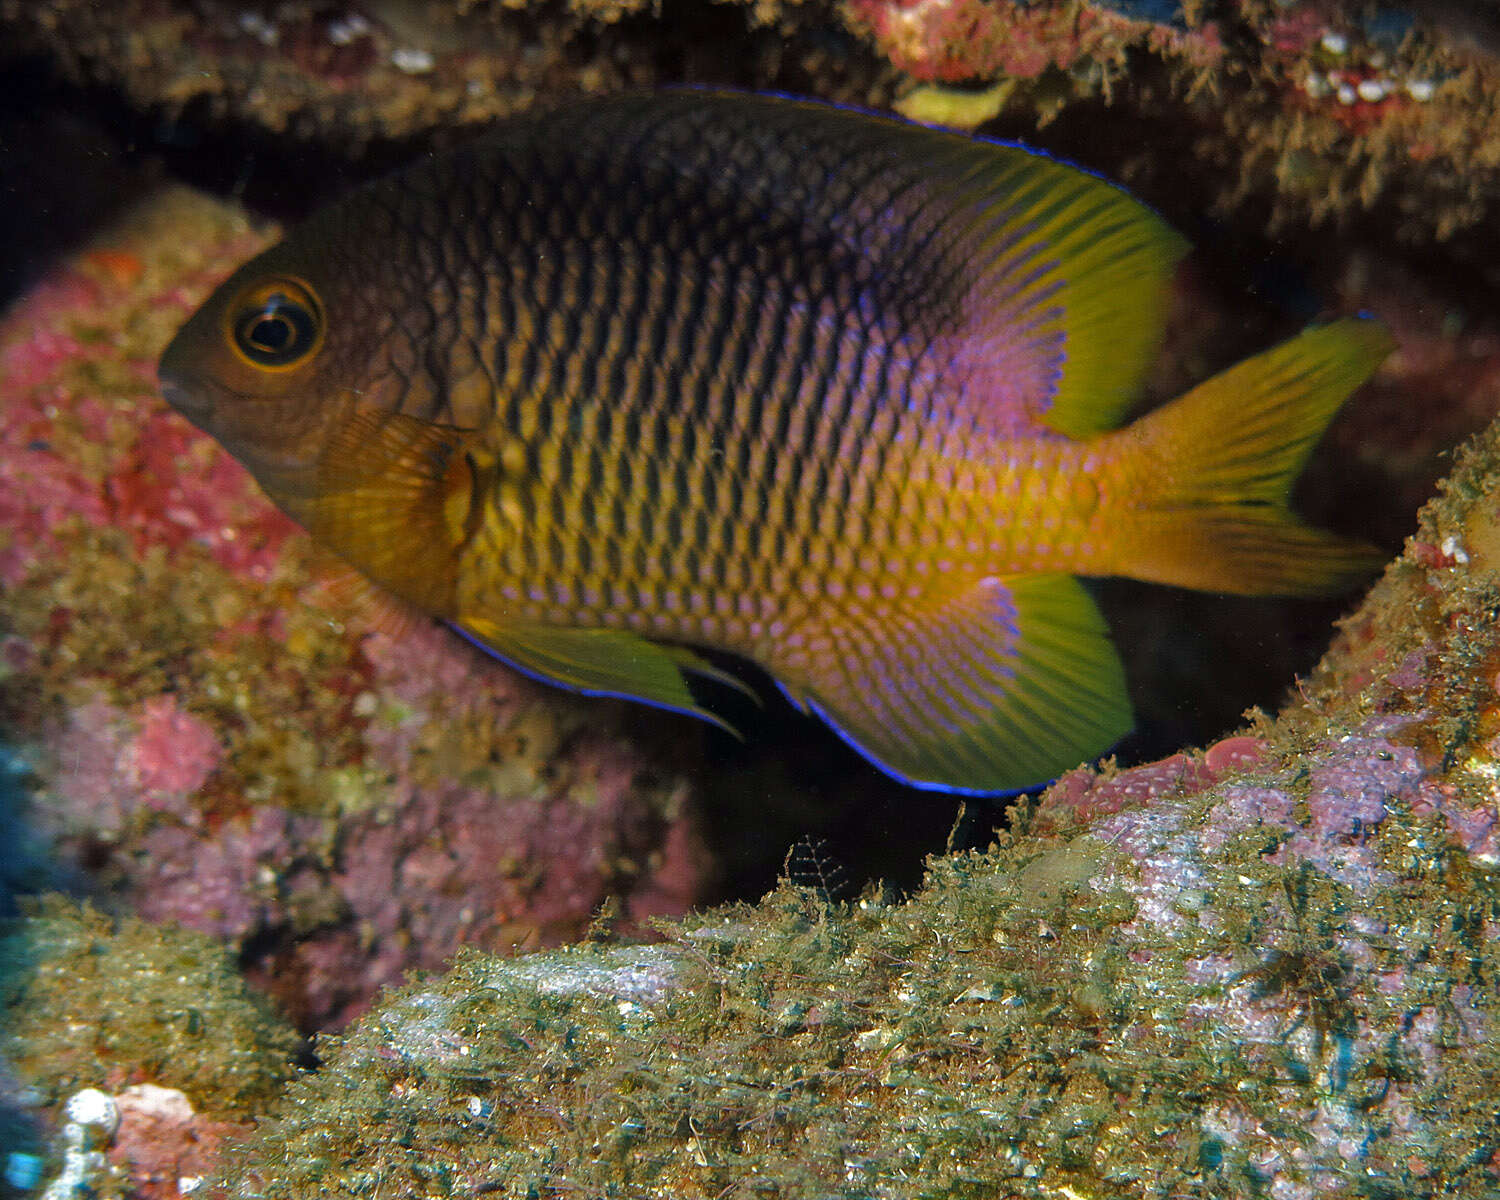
x: 186, y: 396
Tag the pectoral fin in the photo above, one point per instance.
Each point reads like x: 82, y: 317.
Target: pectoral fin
x: 396, y: 498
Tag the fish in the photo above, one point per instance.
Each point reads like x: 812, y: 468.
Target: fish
x: 639, y: 388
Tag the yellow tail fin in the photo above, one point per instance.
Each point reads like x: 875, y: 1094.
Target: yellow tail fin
x: 1222, y: 460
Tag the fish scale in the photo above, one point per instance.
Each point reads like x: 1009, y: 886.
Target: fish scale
x: 826, y: 391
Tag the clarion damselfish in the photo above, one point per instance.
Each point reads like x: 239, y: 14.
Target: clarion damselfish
x: 831, y: 392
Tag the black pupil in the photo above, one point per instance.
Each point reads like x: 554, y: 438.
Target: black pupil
x: 277, y: 332
x: 272, y: 332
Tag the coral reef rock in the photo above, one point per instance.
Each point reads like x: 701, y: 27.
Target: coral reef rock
x: 374, y: 69
x: 1293, y: 112
x: 1269, y: 969
x: 216, y: 735
x: 92, y: 1002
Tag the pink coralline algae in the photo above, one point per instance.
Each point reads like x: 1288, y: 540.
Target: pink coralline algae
x: 109, y: 763
x: 418, y: 865
x: 1301, y: 862
x: 225, y: 884
x: 172, y: 755
x: 1355, y: 785
x: 161, y: 500
x: 96, y: 458
x: 1324, y: 809
x: 1474, y: 825
x: 956, y: 41
x: 162, y: 1145
x: 218, y: 740
x: 38, y: 493
x: 1078, y: 795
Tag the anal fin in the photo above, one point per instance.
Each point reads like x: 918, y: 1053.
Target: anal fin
x: 999, y: 686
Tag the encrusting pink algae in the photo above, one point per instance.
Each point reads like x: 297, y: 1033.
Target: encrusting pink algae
x: 1269, y: 969
x: 1265, y: 969
x: 216, y: 746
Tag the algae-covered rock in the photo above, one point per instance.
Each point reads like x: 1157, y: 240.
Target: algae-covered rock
x: 214, y: 734
x: 90, y: 1001
x: 1287, y: 113
x: 377, y: 69
x: 1272, y: 969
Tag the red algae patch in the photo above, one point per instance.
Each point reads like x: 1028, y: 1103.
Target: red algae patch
x: 173, y: 754
x: 957, y: 41
x: 163, y: 1146
x: 1233, y: 753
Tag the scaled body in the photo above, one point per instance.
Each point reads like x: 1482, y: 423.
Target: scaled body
x: 826, y: 391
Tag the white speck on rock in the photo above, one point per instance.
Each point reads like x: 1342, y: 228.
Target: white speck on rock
x: 412, y: 61
x: 94, y: 1109
x: 638, y: 974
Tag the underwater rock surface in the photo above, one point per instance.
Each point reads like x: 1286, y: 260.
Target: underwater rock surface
x: 1270, y: 969
x: 376, y: 69
x: 181, y: 1015
x: 1265, y: 969
x: 1293, y: 113
x: 217, y: 738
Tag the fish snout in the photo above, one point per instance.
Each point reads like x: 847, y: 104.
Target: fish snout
x: 192, y: 402
x: 181, y: 386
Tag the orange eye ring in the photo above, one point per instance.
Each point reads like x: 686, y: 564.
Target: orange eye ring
x: 276, y: 325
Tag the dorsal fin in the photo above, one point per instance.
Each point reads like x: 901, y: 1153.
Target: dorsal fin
x: 1043, y: 286
x: 1037, y: 289
x: 1060, y: 280
x: 1071, y: 288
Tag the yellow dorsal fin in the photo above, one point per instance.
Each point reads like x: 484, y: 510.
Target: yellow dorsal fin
x: 1048, y: 283
x: 1072, y: 290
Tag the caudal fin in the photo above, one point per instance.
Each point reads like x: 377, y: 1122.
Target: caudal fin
x: 1223, y: 459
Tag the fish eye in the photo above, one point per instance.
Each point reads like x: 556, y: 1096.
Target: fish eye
x: 277, y: 324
